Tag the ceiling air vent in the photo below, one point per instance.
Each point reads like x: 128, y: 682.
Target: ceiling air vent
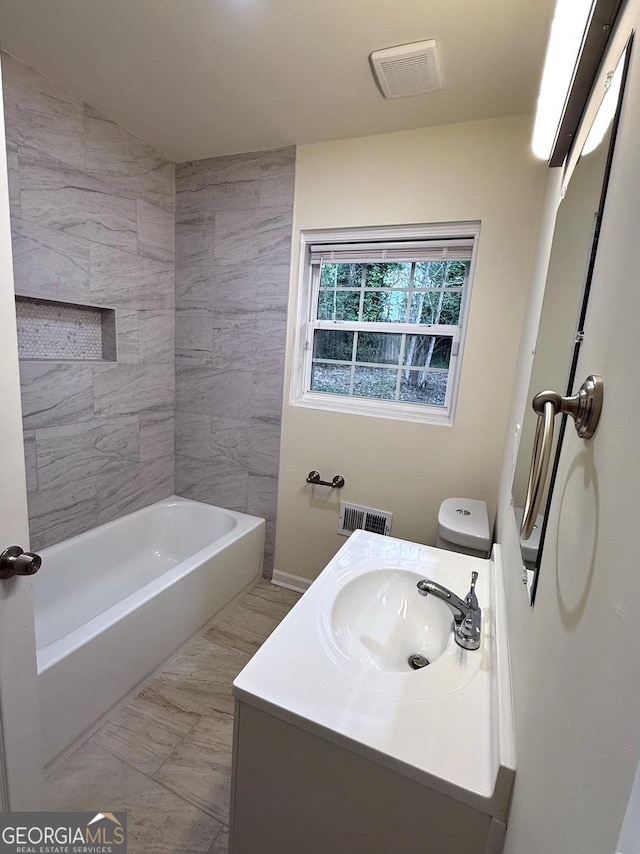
x: 409, y: 69
x: 353, y: 516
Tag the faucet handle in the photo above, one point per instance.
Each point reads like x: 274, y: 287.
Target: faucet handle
x: 471, y: 599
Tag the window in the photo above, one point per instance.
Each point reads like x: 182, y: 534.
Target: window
x: 384, y: 319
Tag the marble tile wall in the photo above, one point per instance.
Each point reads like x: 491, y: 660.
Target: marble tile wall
x: 233, y: 242
x: 93, y: 223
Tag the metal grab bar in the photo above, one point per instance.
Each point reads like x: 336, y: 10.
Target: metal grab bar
x: 585, y: 408
x: 539, y: 467
x: 314, y: 478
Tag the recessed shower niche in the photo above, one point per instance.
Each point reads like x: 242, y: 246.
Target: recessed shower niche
x: 62, y: 331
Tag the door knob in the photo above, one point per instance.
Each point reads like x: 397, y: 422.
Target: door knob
x: 13, y: 561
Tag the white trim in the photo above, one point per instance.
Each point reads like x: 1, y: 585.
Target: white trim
x: 398, y: 410
x: 423, y: 231
x: 290, y: 582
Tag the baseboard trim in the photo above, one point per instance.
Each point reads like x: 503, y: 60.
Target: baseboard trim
x: 291, y: 582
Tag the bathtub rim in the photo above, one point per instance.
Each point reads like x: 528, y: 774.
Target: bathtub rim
x: 50, y: 654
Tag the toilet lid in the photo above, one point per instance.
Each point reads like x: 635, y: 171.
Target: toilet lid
x: 465, y: 522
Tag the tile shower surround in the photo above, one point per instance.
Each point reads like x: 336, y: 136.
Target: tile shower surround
x: 92, y: 213
x: 93, y: 222
x: 233, y: 245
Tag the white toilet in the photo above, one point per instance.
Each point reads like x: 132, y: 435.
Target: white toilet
x: 463, y: 526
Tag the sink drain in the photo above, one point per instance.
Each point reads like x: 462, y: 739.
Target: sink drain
x: 416, y: 662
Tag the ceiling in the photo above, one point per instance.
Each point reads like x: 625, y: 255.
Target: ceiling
x: 200, y: 78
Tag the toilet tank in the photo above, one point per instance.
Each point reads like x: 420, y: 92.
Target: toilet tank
x: 463, y: 526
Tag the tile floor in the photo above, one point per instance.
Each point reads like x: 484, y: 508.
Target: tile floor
x: 165, y: 757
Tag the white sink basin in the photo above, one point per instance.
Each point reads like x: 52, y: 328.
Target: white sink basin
x: 379, y: 619
x: 337, y: 667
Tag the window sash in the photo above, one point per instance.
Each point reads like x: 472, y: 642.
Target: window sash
x: 381, y: 327
x: 400, y: 368
x: 387, y: 327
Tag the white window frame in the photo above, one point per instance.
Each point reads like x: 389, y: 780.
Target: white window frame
x: 301, y: 395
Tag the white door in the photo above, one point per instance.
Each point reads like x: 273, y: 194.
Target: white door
x: 20, y: 739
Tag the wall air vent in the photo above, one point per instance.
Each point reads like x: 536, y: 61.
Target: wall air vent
x: 354, y: 517
x: 409, y: 69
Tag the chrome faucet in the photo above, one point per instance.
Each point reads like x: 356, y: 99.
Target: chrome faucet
x: 466, y: 613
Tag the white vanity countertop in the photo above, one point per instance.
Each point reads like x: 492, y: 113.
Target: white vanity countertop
x: 448, y: 725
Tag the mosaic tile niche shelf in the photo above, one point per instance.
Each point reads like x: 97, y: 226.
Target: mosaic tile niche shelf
x: 65, y: 332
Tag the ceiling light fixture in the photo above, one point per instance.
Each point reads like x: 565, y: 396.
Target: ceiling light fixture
x: 568, y: 28
x: 606, y: 111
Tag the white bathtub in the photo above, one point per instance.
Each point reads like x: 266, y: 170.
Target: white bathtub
x: 114, y: 604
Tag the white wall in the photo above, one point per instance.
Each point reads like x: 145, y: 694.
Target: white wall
x: 475, y: 171
x: 575, y: 664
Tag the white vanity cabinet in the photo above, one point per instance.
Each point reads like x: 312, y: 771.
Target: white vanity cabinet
x: 337, y: 753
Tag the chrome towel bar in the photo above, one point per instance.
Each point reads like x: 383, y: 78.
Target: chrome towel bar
x: 585, y: 408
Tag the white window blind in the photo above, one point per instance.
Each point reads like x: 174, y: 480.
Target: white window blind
x: 375, y: 253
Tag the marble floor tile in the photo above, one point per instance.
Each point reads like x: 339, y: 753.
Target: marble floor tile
x: 272, y: 597
x: 199, y: 769
x: 165, y: 757
x: 232, y: 638
x: 260, y: 601
x: 200, y: 679
x: 247, y: 623
x: 145, y: 731
x: 221, y: 843
x: 158, y: 821
x: 243, y: 618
